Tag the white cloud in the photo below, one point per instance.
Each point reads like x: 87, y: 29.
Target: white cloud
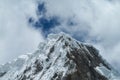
x: 99, y: 17
x: 16, y: 36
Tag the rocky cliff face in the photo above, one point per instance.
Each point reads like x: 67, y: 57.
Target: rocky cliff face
x: 60, y: 57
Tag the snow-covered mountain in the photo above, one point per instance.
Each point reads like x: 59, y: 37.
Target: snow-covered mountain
x: 60, y: 57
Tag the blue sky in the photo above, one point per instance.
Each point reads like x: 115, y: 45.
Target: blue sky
x: 25, y: 23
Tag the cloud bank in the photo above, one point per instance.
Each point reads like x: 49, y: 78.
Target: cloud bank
x: 91, y: 21
x: 16, y: 37
x: 94, y: 21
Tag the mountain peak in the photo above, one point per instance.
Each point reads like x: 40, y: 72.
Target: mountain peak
x: 64, y: 39
x: 59, y: 36
x: 60, y: 57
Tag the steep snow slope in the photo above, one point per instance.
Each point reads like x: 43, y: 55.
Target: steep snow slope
x: 60, y: 57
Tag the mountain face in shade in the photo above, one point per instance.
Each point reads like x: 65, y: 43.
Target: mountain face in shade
x: 60, y: 57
